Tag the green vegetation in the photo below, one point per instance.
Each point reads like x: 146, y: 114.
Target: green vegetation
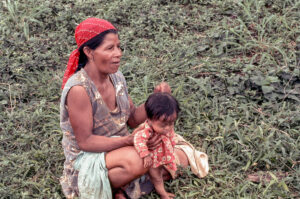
x: 233, y: 65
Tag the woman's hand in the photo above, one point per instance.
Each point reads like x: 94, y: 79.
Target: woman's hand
x: 147, y: 161
x: 130, y: 138
x: 162, y: 87
x: 153, y: 142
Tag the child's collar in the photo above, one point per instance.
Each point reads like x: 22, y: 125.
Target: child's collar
x: 148, y: 125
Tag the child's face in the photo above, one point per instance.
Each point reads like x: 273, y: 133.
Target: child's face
x: 162, y: 125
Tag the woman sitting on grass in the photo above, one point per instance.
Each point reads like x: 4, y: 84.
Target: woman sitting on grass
x: 95, y: 110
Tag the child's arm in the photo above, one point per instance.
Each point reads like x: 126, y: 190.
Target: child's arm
x: 158, y: 182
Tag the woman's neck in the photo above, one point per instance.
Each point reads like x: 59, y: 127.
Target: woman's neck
x: 97, y: 77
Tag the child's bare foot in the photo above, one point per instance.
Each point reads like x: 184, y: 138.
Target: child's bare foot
x: 119, y: 194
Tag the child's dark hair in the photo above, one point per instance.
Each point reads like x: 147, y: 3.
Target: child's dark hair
x: 161, y: 104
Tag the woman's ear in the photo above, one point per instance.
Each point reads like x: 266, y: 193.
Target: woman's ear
x: 88, y: 52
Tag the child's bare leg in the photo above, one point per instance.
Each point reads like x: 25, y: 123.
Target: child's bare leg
x: 118, y: 194
x: 158, y: 182
x: 183, y: 160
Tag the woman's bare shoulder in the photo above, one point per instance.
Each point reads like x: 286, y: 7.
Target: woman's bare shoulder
x: 77, y: 95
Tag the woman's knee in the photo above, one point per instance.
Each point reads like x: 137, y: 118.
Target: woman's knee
x: 183, y: 159
x: 134, y: 164
x: 126, y: 158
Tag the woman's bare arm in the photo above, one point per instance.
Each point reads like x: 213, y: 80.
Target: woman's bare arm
x: 137, y: 114
x: 81, y: 119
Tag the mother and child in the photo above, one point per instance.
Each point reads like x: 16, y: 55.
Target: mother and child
x: 104, y: 160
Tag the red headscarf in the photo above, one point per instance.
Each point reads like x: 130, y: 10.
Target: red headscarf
x: 85, y: 31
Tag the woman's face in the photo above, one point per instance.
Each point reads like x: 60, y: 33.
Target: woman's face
x: 107, y: 56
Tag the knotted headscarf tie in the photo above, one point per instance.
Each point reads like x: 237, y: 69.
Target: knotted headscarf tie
x: 85, y: 31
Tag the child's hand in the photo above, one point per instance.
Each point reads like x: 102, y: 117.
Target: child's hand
x: 154, y: 142
x: 147, y: 161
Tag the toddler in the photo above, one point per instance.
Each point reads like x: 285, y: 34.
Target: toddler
x: 162, y: 111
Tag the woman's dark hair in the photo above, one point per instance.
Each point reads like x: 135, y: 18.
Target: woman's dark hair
x: 161, y: 104
x: 92, y: 44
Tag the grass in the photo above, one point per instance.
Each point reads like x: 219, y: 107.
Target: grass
x: 233, y: 65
